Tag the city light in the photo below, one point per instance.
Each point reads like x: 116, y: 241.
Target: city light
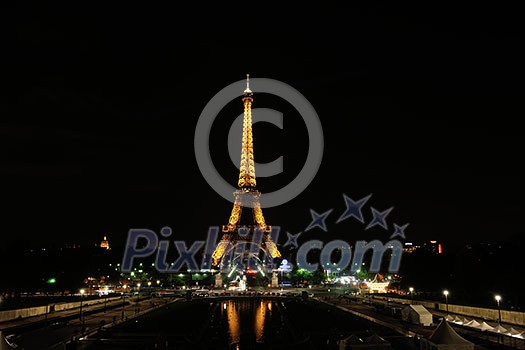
x: 498, y: 299
x: 445, y: 293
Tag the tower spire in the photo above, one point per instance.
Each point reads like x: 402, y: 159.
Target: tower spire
x: 247, y: 166
x: 247, y: 91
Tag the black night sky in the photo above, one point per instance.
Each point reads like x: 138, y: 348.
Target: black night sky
x: 419, y: 106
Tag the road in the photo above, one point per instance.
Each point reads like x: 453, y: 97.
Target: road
x: 49, y: 336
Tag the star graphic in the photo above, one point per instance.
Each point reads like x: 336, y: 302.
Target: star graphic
x: 353, y: 208
x: 292, y: 239
x: 399, y: 231
x: 379, y: 218
x: 318, y: 220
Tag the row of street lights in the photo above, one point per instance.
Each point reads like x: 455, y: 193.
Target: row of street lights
x: 497, y: 297
x: 83, y: 291
x: 446, y: 293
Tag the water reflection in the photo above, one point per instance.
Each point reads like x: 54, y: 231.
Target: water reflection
x: 246, y: 319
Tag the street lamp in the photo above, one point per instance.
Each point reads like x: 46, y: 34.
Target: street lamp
x: 445, y: 293
x: 123, y: 299
x: 158, y: 282
x: 498, y: 299
x: 82, y: 291
x: 149, y: 284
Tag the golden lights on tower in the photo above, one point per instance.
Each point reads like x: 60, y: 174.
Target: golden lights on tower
x: 247, y: 194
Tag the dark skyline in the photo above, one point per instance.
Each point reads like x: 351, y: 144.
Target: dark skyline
x: 419, y: 106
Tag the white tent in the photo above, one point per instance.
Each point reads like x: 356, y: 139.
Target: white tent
x: 473, y: 324
x: 484, y: 326
x: 378, y: 343
x: 512, y: 332
x: 445, y: 337
x: 499, y: 329
x: 373, y: 342
x: 417, y: 314
x: 449, y: 318
x: 4, y: 345
x: 351, y: 342
x: 521, y: 335
x: 458, y: 320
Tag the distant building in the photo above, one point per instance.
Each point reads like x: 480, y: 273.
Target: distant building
x: 72, y: 245
x: 105, y: 243
x: 378, y: 287
x: 433, y: 247
x: 410, y: 247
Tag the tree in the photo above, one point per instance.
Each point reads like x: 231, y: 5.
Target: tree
x: 362, y: 273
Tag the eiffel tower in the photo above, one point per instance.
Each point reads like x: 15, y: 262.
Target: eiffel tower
x: 247, y: 197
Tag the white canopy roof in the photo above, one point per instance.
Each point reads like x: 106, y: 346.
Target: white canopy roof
x: 458, y: 320
x: 484, y: 326
x: 499, y: 329
x: 513, y: 332
x: 375, y: 339
x: 473, y: 324
x: 4, y: 345
x: 353, y: 339
x: 445, y: 334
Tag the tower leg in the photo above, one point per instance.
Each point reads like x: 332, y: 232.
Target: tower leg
x: 275, y: 280
x: 218, y: 280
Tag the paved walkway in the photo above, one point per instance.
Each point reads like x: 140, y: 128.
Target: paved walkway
x: 9, y: 325
x: 51, y: 337
x: 404, y: 328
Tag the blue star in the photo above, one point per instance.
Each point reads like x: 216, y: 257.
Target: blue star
x: 379, y: 218
x: 292, y: 239
x: 318, y: 220
x: 399, y: 231
x: 353, y: 208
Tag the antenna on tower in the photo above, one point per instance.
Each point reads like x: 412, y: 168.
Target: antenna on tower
x: 247, y: 84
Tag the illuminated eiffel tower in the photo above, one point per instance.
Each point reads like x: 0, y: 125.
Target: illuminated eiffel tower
x: 246, y: 196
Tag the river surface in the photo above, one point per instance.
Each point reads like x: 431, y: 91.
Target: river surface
x: 239, y: 324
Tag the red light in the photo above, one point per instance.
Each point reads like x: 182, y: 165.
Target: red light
x: 440, y: 249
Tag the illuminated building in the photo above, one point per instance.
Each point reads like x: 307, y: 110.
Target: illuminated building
x: 105, y: 243
x: 246, y: 197
x: 433, y: 247
x: 409, y: 247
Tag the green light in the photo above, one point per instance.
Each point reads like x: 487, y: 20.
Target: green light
x: 52, y: 280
